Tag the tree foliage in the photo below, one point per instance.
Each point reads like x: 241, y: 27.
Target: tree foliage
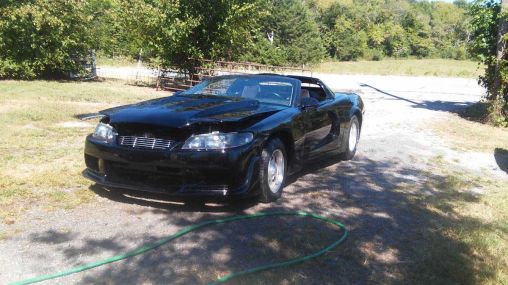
x: 296, y: 38
x: 218, y: 30
x: 41, y: 38
x: 372, y: 29
x: 44, y: 38
x: 486, y: 16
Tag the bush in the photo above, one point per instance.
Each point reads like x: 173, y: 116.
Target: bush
x: 457, y: 52
x: 43, y: 38
x: 10, y: 69
x: 374, y: 54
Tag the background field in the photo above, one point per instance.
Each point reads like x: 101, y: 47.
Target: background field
x: 413, y: 67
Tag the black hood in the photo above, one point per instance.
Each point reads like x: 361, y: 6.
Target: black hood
x: 183, y: 110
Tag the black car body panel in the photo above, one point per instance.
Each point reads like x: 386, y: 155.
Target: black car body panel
x: 306, y: 131
x: 179, y: 110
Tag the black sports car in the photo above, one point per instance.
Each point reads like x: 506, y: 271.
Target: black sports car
x: 229, y: 136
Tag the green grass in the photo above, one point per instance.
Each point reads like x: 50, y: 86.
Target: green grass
x: 472, y: 228
x: 468, y: 241
x: 413, y: 67
x: 42, y: 157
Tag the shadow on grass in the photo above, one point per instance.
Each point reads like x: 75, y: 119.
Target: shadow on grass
x: 477, y: 112
x: 402, y: 224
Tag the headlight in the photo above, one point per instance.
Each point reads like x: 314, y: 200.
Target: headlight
x: 217, y: 140
x: 104, y: 132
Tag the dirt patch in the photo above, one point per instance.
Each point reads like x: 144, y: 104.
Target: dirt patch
x: 5, y: 108
x: 471, y: 145
x: 470, y: 136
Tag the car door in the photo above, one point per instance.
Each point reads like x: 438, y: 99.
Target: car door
x: 319, y: 128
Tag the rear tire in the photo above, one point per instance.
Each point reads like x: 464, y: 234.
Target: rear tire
x: 272, y: 170
x: 352, y: 138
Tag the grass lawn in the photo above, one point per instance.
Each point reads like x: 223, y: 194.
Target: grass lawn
x: 468, y: 241
x: 413, y: 67
x: 42, y: 142
x: 480, y: 221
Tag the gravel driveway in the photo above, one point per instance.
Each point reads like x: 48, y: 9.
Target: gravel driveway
x: 367, y: 194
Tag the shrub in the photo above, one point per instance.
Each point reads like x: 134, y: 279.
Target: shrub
x: 42, y: 38
x: 374, y: 54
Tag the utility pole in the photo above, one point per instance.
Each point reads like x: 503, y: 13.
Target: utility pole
x: 501, y: 49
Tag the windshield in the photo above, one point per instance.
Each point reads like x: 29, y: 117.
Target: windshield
x: 270, y: 90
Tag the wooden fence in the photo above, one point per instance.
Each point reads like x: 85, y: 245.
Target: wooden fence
x: 176, y: 80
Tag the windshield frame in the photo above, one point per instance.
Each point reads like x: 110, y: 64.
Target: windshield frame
x: 294, y: 82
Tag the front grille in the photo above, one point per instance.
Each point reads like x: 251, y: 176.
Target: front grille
x: 144, y: 142
x: 164, y: 179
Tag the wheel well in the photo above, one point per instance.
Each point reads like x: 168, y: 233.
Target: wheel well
x: 358, y: 114
x: 287, y: 140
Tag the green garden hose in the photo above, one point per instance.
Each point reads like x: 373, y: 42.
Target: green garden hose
x: 189, y: 229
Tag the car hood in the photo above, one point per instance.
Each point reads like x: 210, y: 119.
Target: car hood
x: 184, y: 110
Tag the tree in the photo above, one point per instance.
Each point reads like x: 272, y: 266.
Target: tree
x: 296, y: 35
x: 217, y: 30
x: 500, y: 49
x: 488, y: 45
x: 344, y: 41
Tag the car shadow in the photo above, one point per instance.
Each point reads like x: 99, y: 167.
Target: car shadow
x: 167, y: 202
x: 313, y: 166
x: 198, y: 204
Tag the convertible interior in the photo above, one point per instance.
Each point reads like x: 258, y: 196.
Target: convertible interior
x: 309, y: 87
x: 315, y: 91
x: 314, y: 88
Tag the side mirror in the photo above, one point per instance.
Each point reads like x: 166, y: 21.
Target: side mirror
x: 309, y: 103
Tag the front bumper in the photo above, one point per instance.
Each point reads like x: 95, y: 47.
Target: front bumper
x: 229, y: 173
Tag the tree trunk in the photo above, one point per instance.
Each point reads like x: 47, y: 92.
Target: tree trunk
x: 500, y: 52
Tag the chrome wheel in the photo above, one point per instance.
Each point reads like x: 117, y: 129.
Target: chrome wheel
x: 276, y: 171
x: 353, y: 136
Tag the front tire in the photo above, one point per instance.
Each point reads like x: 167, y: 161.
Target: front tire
x: 352, y: 138
x: 272, y: 172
